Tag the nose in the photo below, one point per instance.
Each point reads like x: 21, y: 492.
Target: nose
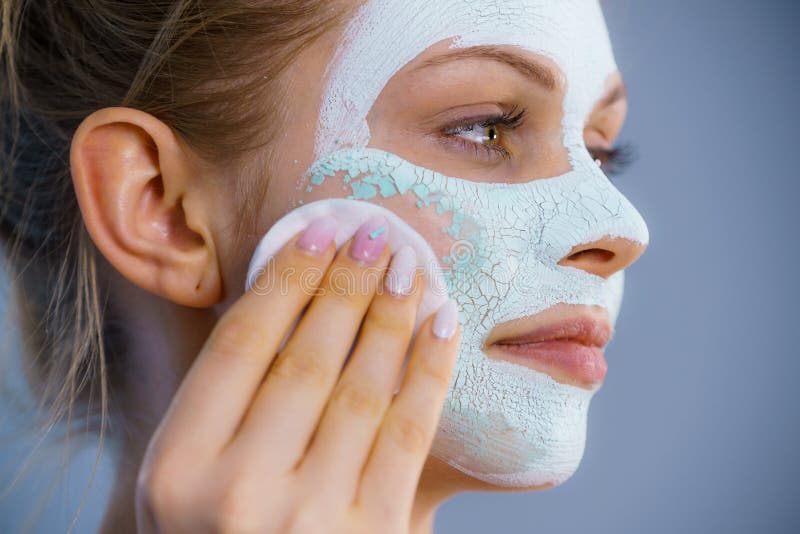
x: 605, y: 256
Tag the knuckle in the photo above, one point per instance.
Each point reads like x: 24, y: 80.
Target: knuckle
x: 234, y: 335
x: 163, y: 490
x: 235, y: 512
x: 389, y: 322
x: 309, y: 369
x: 340, y: 298
x: 358, y: 400
x: 435, y: 370
x: 408, y: 433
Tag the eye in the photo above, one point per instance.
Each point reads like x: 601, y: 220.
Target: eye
x: 484, y: 136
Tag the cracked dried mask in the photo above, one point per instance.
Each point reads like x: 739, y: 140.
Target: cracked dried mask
x: 498, y: 244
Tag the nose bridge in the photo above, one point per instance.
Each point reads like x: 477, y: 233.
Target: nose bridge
x: 595, y: 227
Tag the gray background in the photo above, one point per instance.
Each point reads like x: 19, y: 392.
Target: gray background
x: 696, y: 429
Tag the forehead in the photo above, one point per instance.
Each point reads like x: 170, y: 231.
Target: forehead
x: 384, y: 35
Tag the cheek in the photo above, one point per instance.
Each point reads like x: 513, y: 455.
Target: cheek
x: 427, y: 218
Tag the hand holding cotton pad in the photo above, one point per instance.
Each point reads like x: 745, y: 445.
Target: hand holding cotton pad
x: 350, y: 215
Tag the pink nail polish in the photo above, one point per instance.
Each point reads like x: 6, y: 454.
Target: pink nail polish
x: 400, y: 278
x: 370, y: 240
x: 444, y: 324
x: 318, y: 236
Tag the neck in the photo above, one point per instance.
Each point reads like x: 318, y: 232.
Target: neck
x: 162, y: 341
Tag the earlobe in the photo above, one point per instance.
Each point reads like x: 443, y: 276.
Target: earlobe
x: 143, y: 205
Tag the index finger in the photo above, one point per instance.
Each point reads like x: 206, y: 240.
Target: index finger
x: 217, y: 390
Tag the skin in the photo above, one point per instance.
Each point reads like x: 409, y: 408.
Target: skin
x: 163, y: 220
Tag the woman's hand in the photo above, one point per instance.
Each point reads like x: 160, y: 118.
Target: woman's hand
x: 260, y: 438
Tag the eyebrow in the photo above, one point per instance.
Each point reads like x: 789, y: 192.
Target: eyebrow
x: 530, y: 69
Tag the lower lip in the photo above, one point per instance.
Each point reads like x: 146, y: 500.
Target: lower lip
x: 561, y: 359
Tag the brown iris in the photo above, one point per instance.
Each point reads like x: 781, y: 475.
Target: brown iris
x: 491, y: 134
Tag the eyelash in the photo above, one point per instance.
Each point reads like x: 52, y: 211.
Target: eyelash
x: 614, y: 161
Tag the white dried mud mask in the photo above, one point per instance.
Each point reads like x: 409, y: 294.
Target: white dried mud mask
x: 499, y: 243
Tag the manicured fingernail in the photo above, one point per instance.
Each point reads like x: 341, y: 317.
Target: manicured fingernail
x: 444, y: 324
x: 318, y: 236
x: 370, y: 240
x: 401, y: 271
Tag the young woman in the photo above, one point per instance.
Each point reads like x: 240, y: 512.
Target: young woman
x: 148, y: 147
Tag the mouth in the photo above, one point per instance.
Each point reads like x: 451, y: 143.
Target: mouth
x: 566, y: 342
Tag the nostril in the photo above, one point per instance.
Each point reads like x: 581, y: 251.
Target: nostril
x: 594, y: 255
x: 603, y: 257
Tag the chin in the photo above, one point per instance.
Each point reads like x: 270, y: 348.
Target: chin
x: 452, y: 480
x: 532, y: 440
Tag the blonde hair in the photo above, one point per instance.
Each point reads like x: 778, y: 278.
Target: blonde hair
x: 210, y: 69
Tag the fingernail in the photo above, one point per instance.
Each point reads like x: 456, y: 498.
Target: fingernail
x: 318, y: 236
x: 444, y: 324
x: 370, y: 240
x: 400, y: 278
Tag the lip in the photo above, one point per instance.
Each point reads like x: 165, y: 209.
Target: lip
x: 569, y: 348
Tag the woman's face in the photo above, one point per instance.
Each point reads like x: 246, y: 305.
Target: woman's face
x: 480, y: 123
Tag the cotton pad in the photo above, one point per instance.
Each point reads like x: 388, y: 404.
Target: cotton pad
x: 350, y: 215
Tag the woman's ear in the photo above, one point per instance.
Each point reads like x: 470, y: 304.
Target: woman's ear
x: 144, y: 206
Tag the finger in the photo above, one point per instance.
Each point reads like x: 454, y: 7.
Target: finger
x: 220, y: 385
x: 391, y: 474
x: 287, y: 407
x: 345, y: 435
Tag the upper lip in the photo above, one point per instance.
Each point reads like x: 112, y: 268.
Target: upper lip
x: 584, y: 328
